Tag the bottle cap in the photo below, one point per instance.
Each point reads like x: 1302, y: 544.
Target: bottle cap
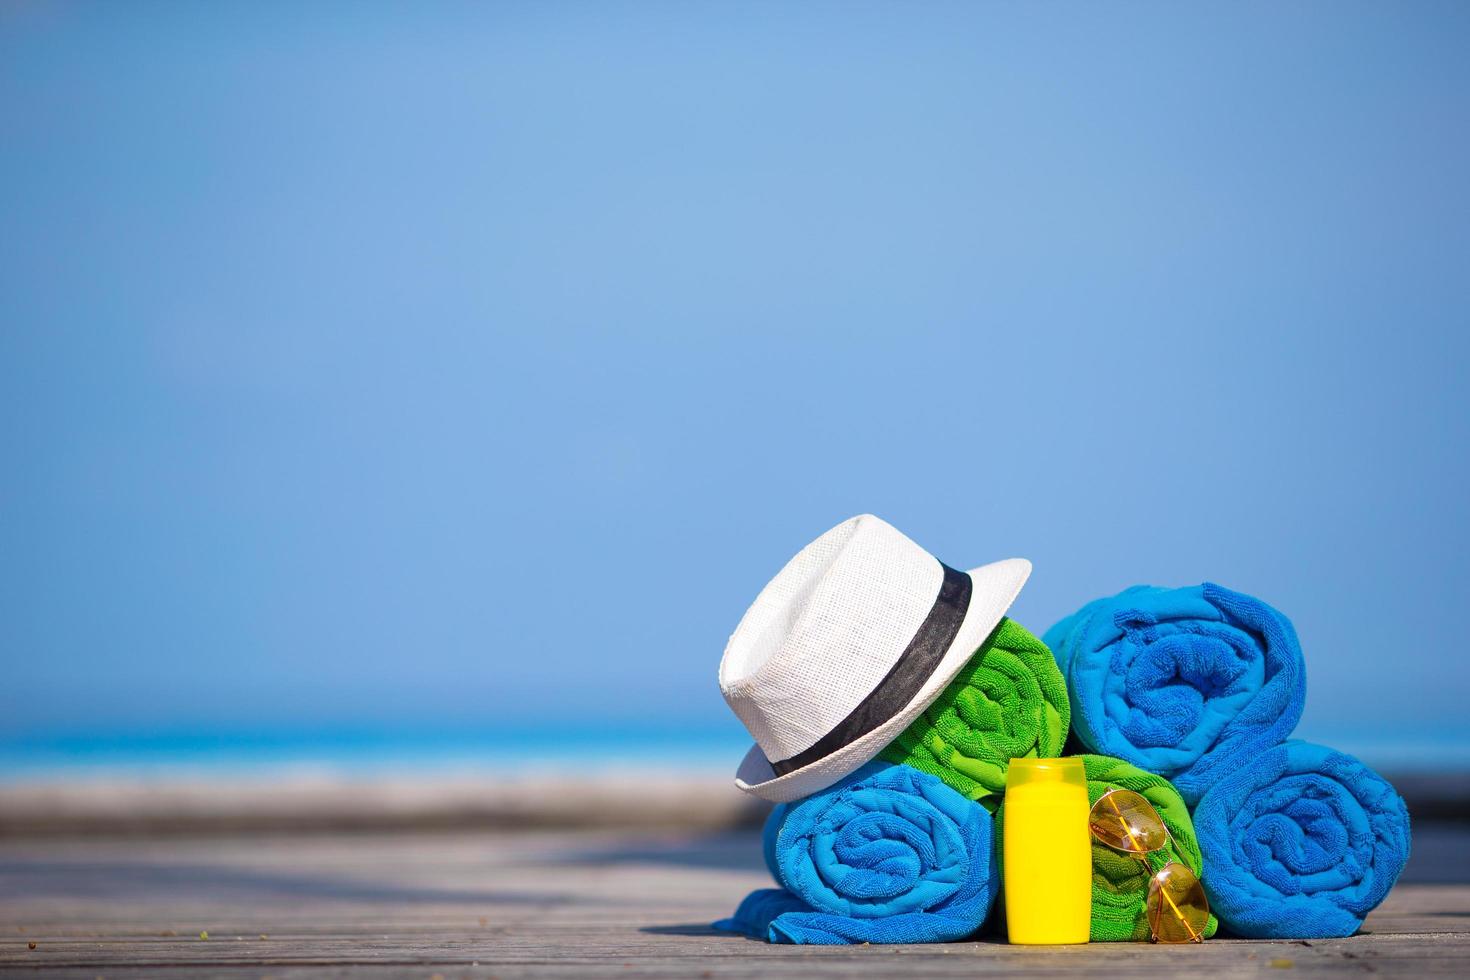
x: 1028, y: 771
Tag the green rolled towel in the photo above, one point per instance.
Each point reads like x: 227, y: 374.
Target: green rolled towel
x: 1120, y: 881
x: 1008, y: 702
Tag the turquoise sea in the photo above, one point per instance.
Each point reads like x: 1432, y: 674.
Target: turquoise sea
x: 610, y: 746
x: 361, y: 753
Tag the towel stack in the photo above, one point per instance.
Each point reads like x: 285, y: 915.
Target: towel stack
x: 888, y: 694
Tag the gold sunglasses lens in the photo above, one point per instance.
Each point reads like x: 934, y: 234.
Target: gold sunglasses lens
x: 1177, y: 908
x: 1124, y: 820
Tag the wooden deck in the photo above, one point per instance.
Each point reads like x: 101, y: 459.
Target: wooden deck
x: 562, y: 904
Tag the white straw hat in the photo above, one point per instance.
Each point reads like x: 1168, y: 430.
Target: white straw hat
x: 855, y: 637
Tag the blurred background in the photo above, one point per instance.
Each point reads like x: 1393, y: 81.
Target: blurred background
x: 425, y: 390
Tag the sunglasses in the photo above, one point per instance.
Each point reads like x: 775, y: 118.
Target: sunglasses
x: 1178, y: 911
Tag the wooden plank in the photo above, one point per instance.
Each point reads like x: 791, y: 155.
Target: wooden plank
x: 548, y: 905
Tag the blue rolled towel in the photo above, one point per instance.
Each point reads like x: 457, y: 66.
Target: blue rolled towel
x: 888, y: 855
x: 1186, y: 683
x: 1301, y: 842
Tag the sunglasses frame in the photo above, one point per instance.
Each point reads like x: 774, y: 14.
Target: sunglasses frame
x: 1156, y: 877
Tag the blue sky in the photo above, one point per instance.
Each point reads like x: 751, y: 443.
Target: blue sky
x: 473, y: 366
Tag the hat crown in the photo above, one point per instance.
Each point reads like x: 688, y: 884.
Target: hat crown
x: 825, y: 631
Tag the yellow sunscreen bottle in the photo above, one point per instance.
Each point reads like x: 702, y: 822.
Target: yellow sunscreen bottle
x: 1047, y: 862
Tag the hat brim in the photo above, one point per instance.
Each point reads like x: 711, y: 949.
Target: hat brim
x: 995, y: 587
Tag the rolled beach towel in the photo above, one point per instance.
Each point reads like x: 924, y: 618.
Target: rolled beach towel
x: 1120, y: 881
x: 1302, y: 842
x: 1187, y: 683
x: 1008, y: 702
x: 888, y: 855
